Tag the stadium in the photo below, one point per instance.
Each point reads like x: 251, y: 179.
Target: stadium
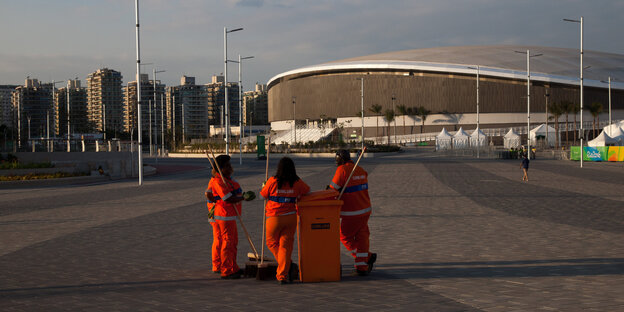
x: 444, y: 82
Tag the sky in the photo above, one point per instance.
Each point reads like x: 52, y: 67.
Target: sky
x: 63, y: 39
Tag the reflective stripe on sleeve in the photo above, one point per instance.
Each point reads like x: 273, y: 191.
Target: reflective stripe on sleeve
x: 225, y: 218
x: 288, y: 213
x: 361, y: 255
x: 355, y: 213
x: 283, y: 199
x: 336, y: 186
x: 228, y: 195
x: 356, y: 188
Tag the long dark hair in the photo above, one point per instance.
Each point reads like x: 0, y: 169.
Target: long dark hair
x: 286, y: 172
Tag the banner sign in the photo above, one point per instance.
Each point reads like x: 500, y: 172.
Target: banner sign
x: 597, y: 153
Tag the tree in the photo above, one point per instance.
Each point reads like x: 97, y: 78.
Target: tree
x: 376, y: 109
x: 402, y: 109
x: 567, y: 107
x: 389, y: 117
x: 422, y: 112
x: 412, y: 111
x: 595, y: 108
x: 556, y: 111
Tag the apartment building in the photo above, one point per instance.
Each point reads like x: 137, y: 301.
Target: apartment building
x: 255, y: 106
x: 32, y: 104
x: 105, y: 102
x: 6, y: 110
x: 152, y: 111
x: 77, y: 104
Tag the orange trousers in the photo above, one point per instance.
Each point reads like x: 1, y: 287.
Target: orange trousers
x: 229, y: 242
x: 216, y: 247
x: 354, y: 235
x: 280, y: 233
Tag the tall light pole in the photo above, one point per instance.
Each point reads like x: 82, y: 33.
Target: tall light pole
x: 294, y: 101
x: 162, y: 126
x: 580, y: 83
x: 53, y: 96
x: 138, y: 77
x: 394, y: 110
x: 68, y: 119
x: 547, y: 95
x: 154, y: 72
x: 478, y: 135
x: 225, y: 83
x: 240, y: 103
x: 362, y: 107
x: 609, y: 82
x: 528, y: 59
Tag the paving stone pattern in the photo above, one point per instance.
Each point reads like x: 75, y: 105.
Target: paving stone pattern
x: 451, y: 234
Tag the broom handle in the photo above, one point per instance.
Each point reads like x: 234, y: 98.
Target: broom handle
x: 351, y: 174
x: 236, y: 210
x: 266, y: 177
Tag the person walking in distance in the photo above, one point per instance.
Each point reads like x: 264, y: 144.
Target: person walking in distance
x: 230, y: 196
x: 525, y: 167
x: 355, y: 212
x: 282, y: 192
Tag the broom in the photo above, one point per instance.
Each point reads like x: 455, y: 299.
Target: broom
x: 268, y: 270
x: 351, y: 174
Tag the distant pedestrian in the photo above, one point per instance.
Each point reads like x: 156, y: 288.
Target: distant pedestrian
x: 525, y: 167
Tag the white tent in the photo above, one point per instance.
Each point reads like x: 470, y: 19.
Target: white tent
x: 617, y: 135
x: 511, y: 139
x: 461, y: 139
x: 612, y: 128
x: 540, y: 131
x: 478, y: 138
x: 443, y: 140
x: 603, y: 139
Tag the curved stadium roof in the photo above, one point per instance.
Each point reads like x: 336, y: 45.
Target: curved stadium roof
x: 557, y: 65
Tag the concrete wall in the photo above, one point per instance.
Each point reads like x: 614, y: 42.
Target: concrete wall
x: 115, y: 164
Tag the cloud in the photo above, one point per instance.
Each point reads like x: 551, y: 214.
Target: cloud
x: 250, y: 3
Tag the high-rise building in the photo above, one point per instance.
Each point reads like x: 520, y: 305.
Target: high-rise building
x: 32, y: 103
x: 78, y: 112
x: 150, y: 109
x: 6, y: 110
x: 255, y: 106
x: 188, y: 110
x: 105, y: 100
x: 216, y: 101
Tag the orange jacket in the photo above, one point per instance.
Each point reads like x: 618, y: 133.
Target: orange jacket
x: 282, y: 201
x: 225, y: 211
x: 355, y: 197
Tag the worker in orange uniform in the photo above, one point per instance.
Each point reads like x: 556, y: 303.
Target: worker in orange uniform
x: 282, y: 191
x: 216, y: 235
x: 355, y: 212
x: 230, y: 196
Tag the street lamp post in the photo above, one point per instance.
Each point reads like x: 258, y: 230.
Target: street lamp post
x: 138, y: 77
x: 609, y: 82
x: 225, y: 82
x: 294, y: 101
x: 529, y: 56
x: 240, y: 103
x: 394, y: 110
x: 580, y: 83
x: 68, y: 120
x: 154, y: 72
x: 362, y: 107
x: 478, y: 135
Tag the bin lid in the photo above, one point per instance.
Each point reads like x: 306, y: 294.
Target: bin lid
x: 319, y: 195
x: 323, y: 203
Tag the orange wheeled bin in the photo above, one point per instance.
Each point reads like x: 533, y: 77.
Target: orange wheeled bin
x: 319, y: 236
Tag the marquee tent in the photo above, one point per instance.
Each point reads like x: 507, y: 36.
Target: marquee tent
x: 612, y: 128
x: 603, y: 139
x: 443, y: 140
x: 478, y: 138
x: 540, y: 131
x: 511, y: 139
x: 461, y: 139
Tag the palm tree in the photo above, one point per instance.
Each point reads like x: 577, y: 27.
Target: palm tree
x: 567, y: 107
x: 556, y: 111
x: 412, y: 111
x: 376, y: 109
x: 422, y: 112
x: 402, y: 109
x: 595, y: 108
x: 389, y: 117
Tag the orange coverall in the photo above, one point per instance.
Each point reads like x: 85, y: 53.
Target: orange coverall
x: 216, y: 235
x: 356, y: 210
x: 225, y: 220
x: 281, y: 222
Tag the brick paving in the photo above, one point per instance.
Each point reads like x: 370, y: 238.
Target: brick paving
x: 452, y: 234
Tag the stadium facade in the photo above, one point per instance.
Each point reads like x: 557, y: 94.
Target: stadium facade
x: 443, y: 80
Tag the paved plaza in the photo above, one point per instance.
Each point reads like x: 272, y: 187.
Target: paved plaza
x: 451, y: 234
